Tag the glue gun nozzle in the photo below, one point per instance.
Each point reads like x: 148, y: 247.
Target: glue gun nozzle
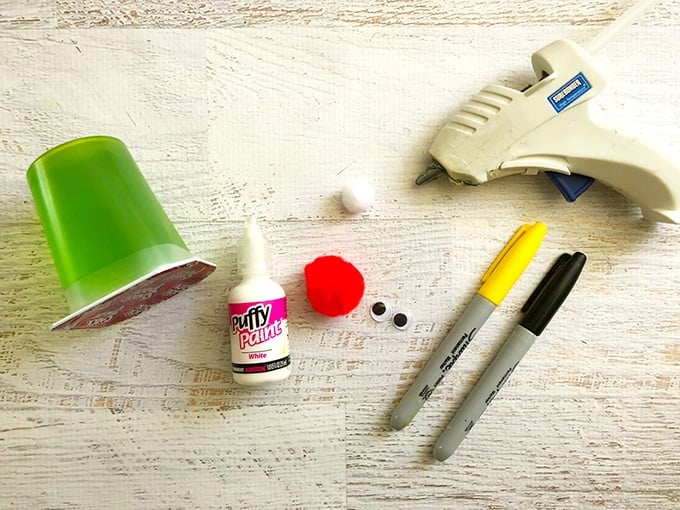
x: 433, y: 171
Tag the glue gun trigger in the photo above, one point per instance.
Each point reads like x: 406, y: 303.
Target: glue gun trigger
x: 571, y: 186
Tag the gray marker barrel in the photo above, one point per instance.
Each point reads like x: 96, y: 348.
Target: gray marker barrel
x: 448, y: 352
x: 486, y: 389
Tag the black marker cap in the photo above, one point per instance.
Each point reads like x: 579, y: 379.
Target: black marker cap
x: 551, y: 292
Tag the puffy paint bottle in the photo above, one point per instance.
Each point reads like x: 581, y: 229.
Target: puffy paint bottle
x: 258, y: 317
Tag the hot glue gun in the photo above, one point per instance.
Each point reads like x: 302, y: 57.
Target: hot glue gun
x: 554, y: 127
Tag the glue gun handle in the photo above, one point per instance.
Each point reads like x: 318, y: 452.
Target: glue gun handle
x: 645, y: 172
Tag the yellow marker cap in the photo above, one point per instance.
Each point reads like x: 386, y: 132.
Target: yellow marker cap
x: 511, y: 262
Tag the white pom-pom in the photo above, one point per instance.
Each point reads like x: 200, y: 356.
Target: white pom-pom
x: 357, y: 196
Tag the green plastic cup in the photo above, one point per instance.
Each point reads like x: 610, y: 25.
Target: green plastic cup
x: 114, y: 248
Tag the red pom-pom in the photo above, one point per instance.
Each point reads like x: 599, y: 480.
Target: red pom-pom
x: 334, y: 286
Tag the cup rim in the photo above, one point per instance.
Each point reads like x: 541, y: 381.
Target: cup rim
x: 70, y: 143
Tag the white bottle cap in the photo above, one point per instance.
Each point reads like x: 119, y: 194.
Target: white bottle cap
x: 253, y: 253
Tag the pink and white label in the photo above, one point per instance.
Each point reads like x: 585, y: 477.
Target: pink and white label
x: 259, y: 336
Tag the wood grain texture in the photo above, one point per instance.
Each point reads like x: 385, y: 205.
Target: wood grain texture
x: 220, y: 13
x: 21, y: 15
x: 272, y: 120
x: 91, y: 458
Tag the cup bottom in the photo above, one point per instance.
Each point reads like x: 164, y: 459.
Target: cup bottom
x: 138, y: 296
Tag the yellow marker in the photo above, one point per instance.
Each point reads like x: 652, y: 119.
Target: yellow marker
x: 497, y: 282
x: 511, y: 262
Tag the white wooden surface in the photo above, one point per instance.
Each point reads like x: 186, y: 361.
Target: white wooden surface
x: 268, y: 108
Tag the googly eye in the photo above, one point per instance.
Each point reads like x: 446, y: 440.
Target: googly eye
x: 402, y: 319
x: 381, y: 311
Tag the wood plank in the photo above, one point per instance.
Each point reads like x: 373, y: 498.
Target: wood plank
x: 177, y: 353
x: 567, y: 453
x: 352, y: 120
x: 155, y: 13
x: 255, y: 457
x: 369, y: 102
